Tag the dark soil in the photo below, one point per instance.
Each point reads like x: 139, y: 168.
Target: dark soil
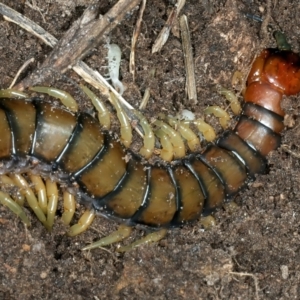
x: 251, y: 253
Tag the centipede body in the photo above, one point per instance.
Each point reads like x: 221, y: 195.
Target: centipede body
x: 75, y: 150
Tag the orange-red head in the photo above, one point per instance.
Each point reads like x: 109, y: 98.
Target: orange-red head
x: 274, y: 73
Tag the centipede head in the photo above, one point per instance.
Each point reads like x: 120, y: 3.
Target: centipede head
x: 278, y: 68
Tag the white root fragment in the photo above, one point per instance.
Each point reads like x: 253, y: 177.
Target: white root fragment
x: 114, y: 61
x: 187, y: 115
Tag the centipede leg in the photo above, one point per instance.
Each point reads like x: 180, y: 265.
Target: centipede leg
x: 126, y: 132
x: 69, y: 207
x: 17, y: 196
x: 103, y: 113
x: 166, y: 152
x: 117, y: 236
x: 149, y: 139
x: 52, y: 194
x: 206, y: 129
x: 175, y: 138
x: 191, y: 138
x: 232, y: 98
x: 41, y: 191
x: 83, y: 223
x: 30, y: 197
x: 6, y: 200
x: 63, y: 96
x: 208, y: 222
x: 11, y: 93
x: 230, y: 206
x: 220, y: 113
x: 149, y: 238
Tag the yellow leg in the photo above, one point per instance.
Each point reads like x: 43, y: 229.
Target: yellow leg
x: 14, y: 207
x: 187, y: 133
x: 103, y: 112
x: 119, y: 235
x: 149, y: 138
x: 18, y: 197
x: 167, y: 147
x: 232, y: 98
x: 149, y: 238
x: 69, y: 208
x: 41, y: 191
x: 207, y: 130
x: 230, y: 206
x: 220, y: 113
x: 175, y: 138
x: 63, y: 96
x: 52, y: 194
x: 83, y: 223
x: 126, y: 131
x: 208, y: 222
x: 30, y: 197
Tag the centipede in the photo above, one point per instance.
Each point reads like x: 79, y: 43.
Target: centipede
x: 74, y: 149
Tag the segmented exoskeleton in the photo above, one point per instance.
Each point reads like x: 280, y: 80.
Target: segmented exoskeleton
x: 117, y: 183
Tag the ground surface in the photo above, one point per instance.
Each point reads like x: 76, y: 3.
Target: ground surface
x: 259, y: 242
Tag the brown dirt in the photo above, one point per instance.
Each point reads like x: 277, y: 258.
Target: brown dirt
x: 259, y: 242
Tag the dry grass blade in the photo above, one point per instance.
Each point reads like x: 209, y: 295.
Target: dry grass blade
x: 84, y: 34
x: 164, y: 34
x: 15, y: 17
x: 135, y: 36
x: 188, y: 60
x: 89, y: 75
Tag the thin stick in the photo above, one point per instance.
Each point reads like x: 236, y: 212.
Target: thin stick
x: 134, y: 39
x: 164, y: 34
x: 188, y: 60
x: 254, y: 278
x: 83, y: 70
x: 24, y: 66
x: 288, y: 150
x: 13, y: 16
x: 84, y: 35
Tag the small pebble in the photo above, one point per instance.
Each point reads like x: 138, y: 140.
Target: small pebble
x: 284, y: 272
x: 43, y: 275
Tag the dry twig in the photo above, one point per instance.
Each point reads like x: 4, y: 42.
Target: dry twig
x: 254, y: 278
x: 135, y: 36
x: 84, y: 34
x: 164, y: 34
x: 89, y: 75
x: 188, y: 60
